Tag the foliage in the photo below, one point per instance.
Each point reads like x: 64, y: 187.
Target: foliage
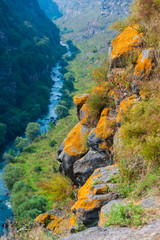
x: 61, y: 111
x: 21, y: 143
x: 52, y: 143
x: 12, y: 174
x: 57, y: 188
x: 125, y: 215
x: 8, y: 158
x: 3, y: 131
x: 32, y: 131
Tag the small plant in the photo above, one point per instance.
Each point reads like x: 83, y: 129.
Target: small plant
x: 125, y: 215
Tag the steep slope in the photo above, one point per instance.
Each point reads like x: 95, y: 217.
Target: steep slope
x: 30, y: 45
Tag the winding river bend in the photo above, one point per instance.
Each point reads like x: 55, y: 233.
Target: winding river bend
x: 55, y: 96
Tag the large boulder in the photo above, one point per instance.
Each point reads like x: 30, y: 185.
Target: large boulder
x: 123, y: 44
x: 84, y: 167
x: 101, y: 137
x: 95, y: 193
x: 72, y: 149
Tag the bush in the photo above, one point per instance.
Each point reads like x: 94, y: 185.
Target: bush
x: 58, y: 188
x: 52, y: 143
x: 32, y: 130
x: 125, y: 215
x: 21, y: 143
x: 11, y: 175
x: 61, y: 111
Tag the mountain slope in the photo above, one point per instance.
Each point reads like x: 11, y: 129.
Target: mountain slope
x: 29, y: 46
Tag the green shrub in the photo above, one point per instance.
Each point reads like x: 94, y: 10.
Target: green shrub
x: 125, y: 215
x: 61, y: 111
x: 52, y: 143
x: 32, y: 131
x: 12, y: 174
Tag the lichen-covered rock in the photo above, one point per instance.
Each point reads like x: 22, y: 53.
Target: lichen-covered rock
x: 101, y: 137
x: 75, y: 225
x: 124, y: 105
x: 95, y: 193
x: 106, y: 209
x: 144, y: 64
x: 42, y: 218
x: 79, y: 101
x: 129, y: 40
x: 73, y: 148
x: 84, y: 167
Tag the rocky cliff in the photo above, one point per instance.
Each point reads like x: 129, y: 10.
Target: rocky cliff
x: 92, y: 155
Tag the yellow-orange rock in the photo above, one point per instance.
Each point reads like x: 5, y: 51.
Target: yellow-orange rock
x: 125, y: 42
x: 91, y: 200
x: 80, y: 99
x: 144, y: 64
x: 124, y: 105
x: 42, y: 218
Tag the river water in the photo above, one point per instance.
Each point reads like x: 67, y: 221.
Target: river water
x: 55, y: 96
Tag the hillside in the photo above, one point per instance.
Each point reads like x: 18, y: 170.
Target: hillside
x: 50, y: 8
x: 30, y: 46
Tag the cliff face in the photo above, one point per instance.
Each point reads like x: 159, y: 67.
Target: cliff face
x: 50, y: 8
x: 30, y: 45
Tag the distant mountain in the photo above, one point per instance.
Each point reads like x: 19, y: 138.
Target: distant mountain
x: 50, y: 8
x: 29, y: 46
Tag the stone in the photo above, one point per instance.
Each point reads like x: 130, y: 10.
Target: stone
x: 149, y: 231
x: 42, y: 218
x: 72, y: 149
x: 84, y: 167
x: 79, y: 101
x: 101, y: 137
x: 144, y: 64
x: 126, y: 42
x: 94, y: 194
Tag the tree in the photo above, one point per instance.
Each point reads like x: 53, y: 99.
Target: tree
x: 32, y: 131
x: 61, y: 111
x: 20, y: 143
x: 3, y: 130
x: 11, y: 175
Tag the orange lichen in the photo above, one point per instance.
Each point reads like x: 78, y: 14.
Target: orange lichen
x: 80, y: 99
x: 42, y: 218
x: 72, y: 222
x: 85, y: 114
x: 103, y: 129
x: 74, y: 143
x: 144, y: 65
x: 124, y: 105
x: 59, y: 226
x: 128, y: 40
x: 102, y: 219
x: 101, y: 190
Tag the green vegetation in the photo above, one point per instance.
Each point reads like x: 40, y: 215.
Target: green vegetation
x: 32, y: 131
x: 57, y: 188
x: 21, y: 143
x: 125, y: 215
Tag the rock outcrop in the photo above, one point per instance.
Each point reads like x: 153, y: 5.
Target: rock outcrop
x: 95, y: 193
x: 125, y: 43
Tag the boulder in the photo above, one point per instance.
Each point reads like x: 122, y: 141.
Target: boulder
x: 144, y: 64
x: 123, y: 44
x: 101, y: 137
x: 84, y: 167
x: 79, y: 101
x: 72, y: 149
x: 95, y: 193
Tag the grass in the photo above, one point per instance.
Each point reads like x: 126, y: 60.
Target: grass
x: 125, y: 216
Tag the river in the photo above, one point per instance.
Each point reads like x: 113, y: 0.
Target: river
x: 55, y: 96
